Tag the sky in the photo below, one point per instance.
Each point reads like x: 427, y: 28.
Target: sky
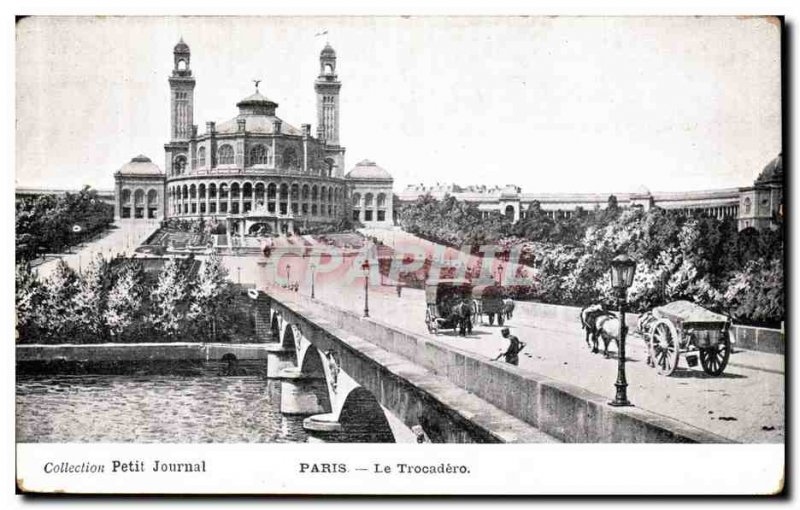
x: 551, y: 104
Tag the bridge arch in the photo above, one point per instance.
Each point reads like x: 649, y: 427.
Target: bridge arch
x: 363, y: 420
x: 312, y: 363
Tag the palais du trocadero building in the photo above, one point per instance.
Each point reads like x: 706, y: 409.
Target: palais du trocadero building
x: 255, y: 172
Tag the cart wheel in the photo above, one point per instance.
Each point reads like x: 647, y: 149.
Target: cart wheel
x: 491, y: 319
x: 664, y: 347
x: 500, y: 319
x: 714, y: 359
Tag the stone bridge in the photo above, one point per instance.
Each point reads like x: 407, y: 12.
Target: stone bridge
x: 351, y: 374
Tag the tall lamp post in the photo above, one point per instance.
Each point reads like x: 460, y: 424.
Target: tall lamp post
x: 622, y: 270
x: 313, y: 271
x: 365, y: 270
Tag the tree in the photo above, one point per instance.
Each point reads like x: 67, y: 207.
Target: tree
x: 58, y: 315
x: 124, y: 302
x: 167, y: 311
x: 28, y: 298
x: 90, y: 299
x: 208, y: 296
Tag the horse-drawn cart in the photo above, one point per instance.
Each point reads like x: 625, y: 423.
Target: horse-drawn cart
x: 487, y: 299
x: 684, y: 327
x: 448, y: 305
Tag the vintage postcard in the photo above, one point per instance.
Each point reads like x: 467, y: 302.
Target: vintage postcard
x: 362, y: 255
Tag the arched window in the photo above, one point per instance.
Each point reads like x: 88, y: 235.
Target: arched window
x: 179, y: 165
x: 126, y: 196
x: 381, y: 200
x: 748, y: 204
x: 181, y: 65
x: 368, y: 200
x: 328, y: 69
x: 201, y: 156
x: 356, y: 200
x: 225, y: 155
x: 258, y: 155
x: 289, y: 158
x: 138, y: 197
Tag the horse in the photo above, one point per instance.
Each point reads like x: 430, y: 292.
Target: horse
x: 461, y: 315
x: 596, y: 320
x: 508, y: 307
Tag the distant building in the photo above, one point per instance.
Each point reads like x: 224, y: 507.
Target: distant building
x: 759, y: 206
x: 255, y: 172
x: 371, y: 188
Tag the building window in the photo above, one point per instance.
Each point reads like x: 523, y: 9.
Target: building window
x: 194, y: 208
x: 223, y: 207
x: 179, y: 165
x: 202, y: 207
x: 213, y: 207
x: 258, y: 155
x: 381, y: 215
x: 313, y: 209
x: 201, y: 156
x: 225, y: 155
x: 356, y: 215
x: 747, y: 205
x: 368, y: 215
x: 126, y: 212
x: 294, y: 207
x: 235, y: 208
x: 283, y: 208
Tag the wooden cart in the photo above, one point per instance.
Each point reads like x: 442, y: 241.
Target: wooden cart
x: 688, y: 328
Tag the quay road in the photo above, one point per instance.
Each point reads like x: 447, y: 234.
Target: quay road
x: 745, y: 403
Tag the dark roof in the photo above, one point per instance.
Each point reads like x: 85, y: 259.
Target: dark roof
x: 181, y: 47
x: 773, y: 172
x: 327, y: 51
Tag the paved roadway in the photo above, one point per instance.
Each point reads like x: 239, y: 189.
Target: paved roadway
x: 121, y: 240
x: 745, y: 404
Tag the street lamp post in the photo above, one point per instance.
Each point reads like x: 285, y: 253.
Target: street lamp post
x: 365, y: 269
x: 239, y: 275
x: 313, y: 271
x: 622, y: 270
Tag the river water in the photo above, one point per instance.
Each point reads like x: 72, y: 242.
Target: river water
x: 152, y: 408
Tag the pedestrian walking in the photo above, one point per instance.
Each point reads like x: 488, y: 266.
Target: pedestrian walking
x: 514, y: 348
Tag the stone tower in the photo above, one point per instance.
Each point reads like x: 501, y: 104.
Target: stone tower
x: 181, y: 85
x: 327, y: 88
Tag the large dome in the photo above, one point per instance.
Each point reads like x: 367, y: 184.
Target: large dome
x: 773, y: 172
x: 140, y: 165
x: 368, y: 170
